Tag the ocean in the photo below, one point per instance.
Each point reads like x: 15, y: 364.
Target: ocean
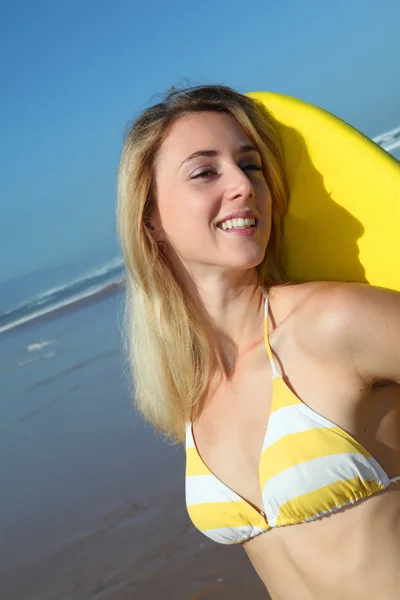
x: 67, y: 293
x: 92, y: 500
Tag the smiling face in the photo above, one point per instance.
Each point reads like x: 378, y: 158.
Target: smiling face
x: 209, y: 174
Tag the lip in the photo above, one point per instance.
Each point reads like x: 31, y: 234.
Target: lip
x: 239, y: 214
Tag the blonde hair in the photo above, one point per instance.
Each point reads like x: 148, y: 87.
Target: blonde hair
x: 171, y: 354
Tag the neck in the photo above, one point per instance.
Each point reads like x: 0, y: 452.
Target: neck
x: 234, y: 305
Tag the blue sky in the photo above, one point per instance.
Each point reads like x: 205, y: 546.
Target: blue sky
x: 72, y: 75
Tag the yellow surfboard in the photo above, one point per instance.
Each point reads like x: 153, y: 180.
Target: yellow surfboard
x: 343, y: 221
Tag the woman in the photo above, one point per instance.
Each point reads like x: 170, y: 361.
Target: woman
x: 288, y: 396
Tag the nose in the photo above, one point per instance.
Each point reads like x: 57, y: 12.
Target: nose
x: 239, y: 185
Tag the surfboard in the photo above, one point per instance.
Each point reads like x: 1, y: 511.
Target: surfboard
x: 343, y: 219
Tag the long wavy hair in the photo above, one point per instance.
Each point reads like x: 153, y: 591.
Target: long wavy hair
x: 171, y: 354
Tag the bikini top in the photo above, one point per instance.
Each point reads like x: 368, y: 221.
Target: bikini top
x: 309, y: 467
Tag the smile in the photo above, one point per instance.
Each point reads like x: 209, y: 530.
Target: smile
x: 237, y: 224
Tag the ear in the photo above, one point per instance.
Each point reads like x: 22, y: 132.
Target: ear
x: 155, y: 226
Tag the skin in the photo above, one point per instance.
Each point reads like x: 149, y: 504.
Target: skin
x: 220, y: 267
x: 338, y: 346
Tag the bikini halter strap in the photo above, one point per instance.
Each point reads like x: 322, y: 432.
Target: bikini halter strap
x: 275, y: 372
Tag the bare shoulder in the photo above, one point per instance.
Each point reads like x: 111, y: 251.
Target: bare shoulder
x: 342, y: 307
x: 354, y: 321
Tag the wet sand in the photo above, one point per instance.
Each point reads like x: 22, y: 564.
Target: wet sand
x: 92, y: 500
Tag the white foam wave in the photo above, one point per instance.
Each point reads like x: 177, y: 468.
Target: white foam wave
x: 23, y: 363
x: 390, y: 140
x: 392, y: 147
x: 66, y: 302
x: 388, y: 134
x: 42, y: 297
x: 98, y: 272
x: 35, y: 359
x: 39, y: 345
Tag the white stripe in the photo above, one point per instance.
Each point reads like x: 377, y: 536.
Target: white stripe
x: 232, y: 535
x: 302, y: 412
x: 275, y: 372
x: 288, y: 420
x: 207, y: 488
x: 313, y: 474
x: 382, y: 476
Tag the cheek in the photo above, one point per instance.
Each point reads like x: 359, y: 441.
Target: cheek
x: 264, y: 196
x: 188, y: 205
x: 167, y: 194
x: 169, y: 203
x: 180, y: 217
x: 185, y: 210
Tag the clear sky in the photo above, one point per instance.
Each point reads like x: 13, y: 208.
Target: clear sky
x: 73, y: 73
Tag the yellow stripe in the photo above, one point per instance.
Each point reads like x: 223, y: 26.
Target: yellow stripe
x: 194, y: 463
x: 216, y: 515
x: 282, y: 395
x: 303, y: 446
x: 325, y: 499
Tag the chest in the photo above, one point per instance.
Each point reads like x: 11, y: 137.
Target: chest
x: 230, y: 432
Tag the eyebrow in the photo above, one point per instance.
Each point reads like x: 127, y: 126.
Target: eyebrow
x: 211, y: 153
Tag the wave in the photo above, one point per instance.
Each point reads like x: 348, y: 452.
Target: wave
x: 108, y: 275
x: 390, y: 140
x: 96, y: 273
x: 39, y: 345
x: 30, y: 361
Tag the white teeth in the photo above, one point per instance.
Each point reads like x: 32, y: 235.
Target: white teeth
x: 237, y: 223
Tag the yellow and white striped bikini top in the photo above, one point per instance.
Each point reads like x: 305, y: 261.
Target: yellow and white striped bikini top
x: 309, y: 467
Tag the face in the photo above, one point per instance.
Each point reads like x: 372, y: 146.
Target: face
x: 213, y: 202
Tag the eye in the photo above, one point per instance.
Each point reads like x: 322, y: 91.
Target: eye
x: 252, y: 167
x: 203, y: 174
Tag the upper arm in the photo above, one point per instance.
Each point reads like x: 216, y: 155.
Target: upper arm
x: 361, y: 323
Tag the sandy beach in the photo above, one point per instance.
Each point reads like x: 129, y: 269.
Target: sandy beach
x: 92, y: 500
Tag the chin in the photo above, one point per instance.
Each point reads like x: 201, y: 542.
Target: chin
x: 245, y: 265
x: 249, y: 260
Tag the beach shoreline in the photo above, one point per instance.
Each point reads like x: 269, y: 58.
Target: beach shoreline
x: 103, y: 293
